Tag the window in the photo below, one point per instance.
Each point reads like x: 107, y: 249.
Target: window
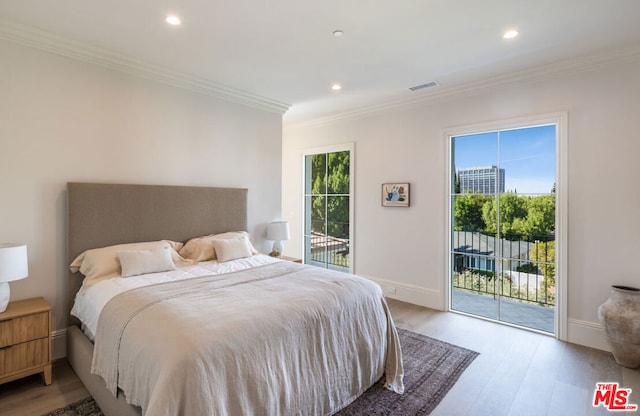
x: 328, y: 209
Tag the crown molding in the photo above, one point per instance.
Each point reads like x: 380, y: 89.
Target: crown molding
x: 49, y: 42
x: 443, y: 94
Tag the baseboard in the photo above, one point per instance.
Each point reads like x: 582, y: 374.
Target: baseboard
x: 59, y: 344
x: 589, y: 334
x: 404, y: 292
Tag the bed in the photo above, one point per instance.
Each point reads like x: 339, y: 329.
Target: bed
x: 236, y: 335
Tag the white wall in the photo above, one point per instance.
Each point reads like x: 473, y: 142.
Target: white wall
x: 64, y: 120
x: 406, y: 247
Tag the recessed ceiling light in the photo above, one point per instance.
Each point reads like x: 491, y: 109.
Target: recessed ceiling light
x: 510, y: 34
x: 173, y: 20
x: 336, y: 87
x: 338, y: 33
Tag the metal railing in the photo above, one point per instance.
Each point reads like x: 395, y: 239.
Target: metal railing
x: 529, y: 288
x: 525, y: 270
x: 334, y: 256
x: 327, y: 250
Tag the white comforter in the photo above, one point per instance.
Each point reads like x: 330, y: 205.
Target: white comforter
x: 89, y: 302
x: 280, y: 338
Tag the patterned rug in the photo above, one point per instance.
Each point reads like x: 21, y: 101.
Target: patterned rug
x: 84, y: 407
x: 431, y: 368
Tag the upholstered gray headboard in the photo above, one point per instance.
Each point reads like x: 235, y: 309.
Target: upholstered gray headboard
x: 101, y: 215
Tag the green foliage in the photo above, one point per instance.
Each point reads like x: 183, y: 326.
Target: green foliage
x: 330, y: 176
x: 541, y: 218
x: 467, y: 212
x: 512, y: 209
x: 521, y: 217
x: 544, y: 252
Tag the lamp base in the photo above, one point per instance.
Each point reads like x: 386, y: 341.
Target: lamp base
x: 5, y: 294
x: 277, y: 249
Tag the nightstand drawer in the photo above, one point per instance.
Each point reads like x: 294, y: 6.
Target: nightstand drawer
x: 24, y: 328
x: 23, y: 356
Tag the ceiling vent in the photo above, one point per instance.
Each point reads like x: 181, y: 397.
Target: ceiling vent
x: 423, y: 86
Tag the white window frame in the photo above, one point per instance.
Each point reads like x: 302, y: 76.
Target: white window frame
x: 560, y: 119
x: 350, y: 147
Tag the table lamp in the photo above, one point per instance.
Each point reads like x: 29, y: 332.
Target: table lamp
x: 277, y: 231
x: 13, y: 266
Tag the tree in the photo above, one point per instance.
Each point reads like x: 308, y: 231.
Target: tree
x: 330, y: 176
x: 467, y: 212
x: 543, y: 254
x: 512, y: 207
x: 540, y: 223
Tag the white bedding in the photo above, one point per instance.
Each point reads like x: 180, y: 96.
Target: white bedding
x: 256, y: 336
x: 89, y: 303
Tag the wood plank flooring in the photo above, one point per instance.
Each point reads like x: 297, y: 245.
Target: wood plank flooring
x: 517, y: 373
x: 30, y: 397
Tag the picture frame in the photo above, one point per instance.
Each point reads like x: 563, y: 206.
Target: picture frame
x: 395, y: 194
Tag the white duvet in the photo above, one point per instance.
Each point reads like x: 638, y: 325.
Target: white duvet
x: 277, y: 338
x: 89, y: 303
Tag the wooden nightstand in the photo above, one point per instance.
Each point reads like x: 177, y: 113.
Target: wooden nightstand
x: 293, y: 259
x: 25, y: 340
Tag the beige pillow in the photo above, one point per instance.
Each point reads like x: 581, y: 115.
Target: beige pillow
x: 198, y: 249
x: 231, y: 249
x: 102, y: 263
x: 203, y: 249
x: 137, y: 262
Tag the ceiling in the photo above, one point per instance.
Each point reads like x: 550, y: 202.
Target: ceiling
x: 285, y: 50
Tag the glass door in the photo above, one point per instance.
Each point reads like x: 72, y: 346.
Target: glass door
x: 503, y: 226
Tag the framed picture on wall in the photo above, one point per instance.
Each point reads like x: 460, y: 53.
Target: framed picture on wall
x: 395, y: 194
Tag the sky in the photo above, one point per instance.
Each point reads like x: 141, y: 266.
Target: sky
x: 527, y: 156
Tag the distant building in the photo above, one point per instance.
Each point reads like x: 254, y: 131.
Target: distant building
x: 481, y: 180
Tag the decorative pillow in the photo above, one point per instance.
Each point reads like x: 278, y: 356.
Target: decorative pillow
x: 203, y: 249
x: 231, y: 249
x: 136, y: 262
x: 198, y: 249
x: 102, y: 263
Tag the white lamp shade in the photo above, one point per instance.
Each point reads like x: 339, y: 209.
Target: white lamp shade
x: 13, y: 262
x: 278, y: 231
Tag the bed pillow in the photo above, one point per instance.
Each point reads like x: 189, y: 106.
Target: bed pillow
x: 198, y: 249
x: 203, y: 249
x: 102, y: 263
x: 230, y: 235
x: 137, y: 262
x: 232, y: 249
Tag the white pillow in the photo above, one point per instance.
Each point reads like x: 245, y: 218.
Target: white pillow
x: 231, y: 249
x: 102, y: 263
x: 136, y: 262
x: 203, y: 249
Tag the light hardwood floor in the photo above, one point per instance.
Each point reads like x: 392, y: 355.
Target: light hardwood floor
x: 30, y: 397
x: 517, y: 373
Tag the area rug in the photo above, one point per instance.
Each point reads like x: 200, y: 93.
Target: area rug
x: 84, y: 407
x: 431, y: 368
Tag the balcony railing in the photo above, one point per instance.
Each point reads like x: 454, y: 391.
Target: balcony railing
x: 524, y: 287
x: 328, y: 250
x: 517, y: 267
